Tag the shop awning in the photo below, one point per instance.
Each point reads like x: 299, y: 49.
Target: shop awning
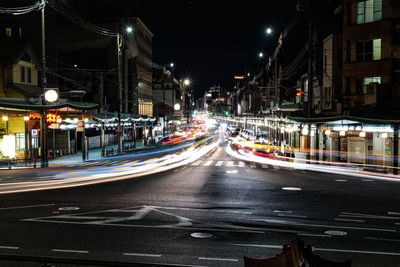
x: 36, y: 104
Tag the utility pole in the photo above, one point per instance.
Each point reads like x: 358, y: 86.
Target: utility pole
x: 119, y: 92
x: 43, y: 134
x: 310, y: 72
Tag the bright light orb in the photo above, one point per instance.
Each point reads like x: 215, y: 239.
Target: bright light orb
x: 268, y: 30
x: 186, y: 82
x: 129, y: 29
x: 177, y: 106
x: 51, y: 96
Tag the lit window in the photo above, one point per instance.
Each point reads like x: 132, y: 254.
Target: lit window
x: 376, y: 49
x: 19, y: 141
x: 8, y: 32
x: 369, y: 11
x: 22, y: 74
x: 368, y: 50
x: 368, y: 81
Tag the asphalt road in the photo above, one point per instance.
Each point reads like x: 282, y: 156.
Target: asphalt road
x: 244, y: 207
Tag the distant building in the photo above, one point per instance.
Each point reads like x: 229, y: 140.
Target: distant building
x: 371, y: 42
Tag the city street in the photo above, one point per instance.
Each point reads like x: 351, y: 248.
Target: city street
x: 238, y: 208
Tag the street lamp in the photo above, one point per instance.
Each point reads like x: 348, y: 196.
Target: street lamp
x: 268, y: 31
x: 171, y: 64
x: 129, y: 29
x: 51, y: 95
x: 177, y: 106
x: 261, y: 55
x: 186, y: 82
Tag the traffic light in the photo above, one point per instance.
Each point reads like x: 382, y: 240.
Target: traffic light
x: 299, y: 93
x: 226, y: 112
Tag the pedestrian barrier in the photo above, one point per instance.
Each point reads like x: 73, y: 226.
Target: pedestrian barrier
x: 295, y: 255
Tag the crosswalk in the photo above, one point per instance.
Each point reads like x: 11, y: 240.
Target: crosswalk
x: 100, y: 163
x: 232, y: 163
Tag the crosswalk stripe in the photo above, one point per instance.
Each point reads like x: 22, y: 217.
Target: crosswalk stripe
x: 241, y: 164
x: 196, y: 163
x: 230, y: 164
x: 208, y: 163
x: 219, y: 163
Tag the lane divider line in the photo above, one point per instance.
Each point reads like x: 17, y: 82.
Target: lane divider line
x: 8, y: 247
x: 142, y: 255
x: 218, y: 259
x: 70, y: 251
x: 26, y: 207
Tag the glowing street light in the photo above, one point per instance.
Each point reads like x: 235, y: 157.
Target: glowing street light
x: 172, y: 65
x: 261, y: 55
x: 51, y: 95
x: 177, y: 106
x: 186, y: 82
x: 268, y: 31
x: 129, y: 29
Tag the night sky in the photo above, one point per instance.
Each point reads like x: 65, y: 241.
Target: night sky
x: 209, y: 41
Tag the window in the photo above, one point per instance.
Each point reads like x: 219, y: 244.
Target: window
x: 348, y: 86
x: 369, y: 11
x: 348, y: 51
x: 22, y: 74
x: 367, y: 81
x: 368, y: 50
x: 8, y: 31
x: 376, y: 46
x: 28, y: 75
x: 359, y: 86
x: 20, y: 141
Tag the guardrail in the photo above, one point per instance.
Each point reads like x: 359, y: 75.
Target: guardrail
x: 19, y: 163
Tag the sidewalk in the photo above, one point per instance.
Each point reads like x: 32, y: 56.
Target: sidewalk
x: 93, y: 154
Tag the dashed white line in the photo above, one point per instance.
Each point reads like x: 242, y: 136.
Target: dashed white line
x: 25, y: 207
x: 241, y: 164
x: 142, y: 255
x: 382, y: 239
x: 393, y: 213
x: 218, y: 259
x: 325, y: 249
x: 8, y: 247
x: 292, y: 215
x: 349, y: 220
x: 70, y: 251
x: 314, y: 235
x: 230, y: 164
x: 219, y: 163
x: 340, y: 180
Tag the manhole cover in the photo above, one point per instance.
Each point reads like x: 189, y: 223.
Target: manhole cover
x: 68, y: 208
x: 291, y: 188
x: 335, y: 233
x: 201, y: 235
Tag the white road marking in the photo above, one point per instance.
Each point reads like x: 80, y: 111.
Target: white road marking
x: 349, y: 220
x: 340, y: 180
x: 8, y: 247
x: 393, y: 213
x: 208, y: 163
x: 291, y: 188
x: 196, y: 163
x: 230, y: 164
x: 233, y: 171
x: 217, y: 259
x: 382, y: 239
x: 285, y: 211
x: 367, y: 180
x: 219, y: 163
x: 291, y: 215
x: 142, y: 255
x: 276, y: 167
x: 397, y: 223
x: 325, y: 226
x: 70, y: 251
x: 241, y: 164
x: 25, y: 207
x: 264, y: 166
x: 314, y: 235
x: 324, y: 249
x: 358, y: 251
